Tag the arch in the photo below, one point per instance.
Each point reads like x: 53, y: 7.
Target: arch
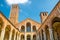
x: 13, y: 32
x: 47, y: 32
x: 56, y: 28
x: 22, y: 28
x: 56, y: 19
x: 28, y: 27
x: 22, y: 37
x: 1, y: 24
x: 7, y: 32
x: 34, y: 37
x: 28, y: 37
x: 34, y: 28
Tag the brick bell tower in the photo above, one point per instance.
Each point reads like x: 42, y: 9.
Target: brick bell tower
x: 43, y: 15
x: 14, y: 14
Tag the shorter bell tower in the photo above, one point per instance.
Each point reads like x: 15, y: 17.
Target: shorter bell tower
x: 43, y: 15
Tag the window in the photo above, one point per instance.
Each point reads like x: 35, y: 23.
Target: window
x: 22, y: 29
x: 28, y: 27
x: 34, y: 28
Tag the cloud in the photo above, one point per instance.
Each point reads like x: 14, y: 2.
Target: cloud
x: 10, y: 2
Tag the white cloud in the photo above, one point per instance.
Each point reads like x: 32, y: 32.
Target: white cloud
x: 17, y: 1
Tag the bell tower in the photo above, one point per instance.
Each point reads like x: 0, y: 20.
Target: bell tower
x: 14, y: 14
x: 43, y: 15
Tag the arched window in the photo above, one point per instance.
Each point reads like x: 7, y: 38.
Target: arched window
x: 34, y: 28
x: 22, y: 29
x: 28, y: 37
x: 1, y: 24
x: 34, y: 37
x: 22, y: 37
x: 7, y: 32
x: 56, y: 28
x: 28, y: 27
x: 13, y: 32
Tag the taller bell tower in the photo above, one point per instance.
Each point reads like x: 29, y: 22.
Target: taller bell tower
x: 14, y: 14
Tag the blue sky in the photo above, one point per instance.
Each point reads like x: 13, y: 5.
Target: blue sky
x: 30, y: 9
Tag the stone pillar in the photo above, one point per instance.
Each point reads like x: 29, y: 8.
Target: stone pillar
x: 31, y: 37
x: 10, y: 36
x: 25, y: 27
x: 41, y: 34
x: 51, y: 34
x: 38, y: 38
x: 2, y: 34
x: 15, y: 36
x: 25, y: 37
x: 44, y: 33
x: 31, y: 28
x: 19, y: 36
x: 25, y: 32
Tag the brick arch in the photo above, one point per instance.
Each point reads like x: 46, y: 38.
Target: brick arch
x: 28, y: 37
x: 34, y: 37
x: 55, y: 19
x: 7, y: 32
x: 56, y: 27
x: 22, y: 37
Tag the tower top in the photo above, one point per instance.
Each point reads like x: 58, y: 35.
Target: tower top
x: 14, y: 5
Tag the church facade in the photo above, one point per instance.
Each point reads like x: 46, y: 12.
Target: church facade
x: 48, y: 29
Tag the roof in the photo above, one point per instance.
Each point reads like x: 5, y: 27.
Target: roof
x: 29, y: 20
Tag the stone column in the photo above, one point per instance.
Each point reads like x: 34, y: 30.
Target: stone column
x: 25, y: 37
x: 25, y: 32
x: 31, y: 28
x: 38, y: 38
x: 41, y: 34
x: 51, y: 34
x: 31, y: 37
x: 10, y: 36
x: 15, y: 36
x: 2, y: 34
x: 44, y: 33
x: 19, y: 37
